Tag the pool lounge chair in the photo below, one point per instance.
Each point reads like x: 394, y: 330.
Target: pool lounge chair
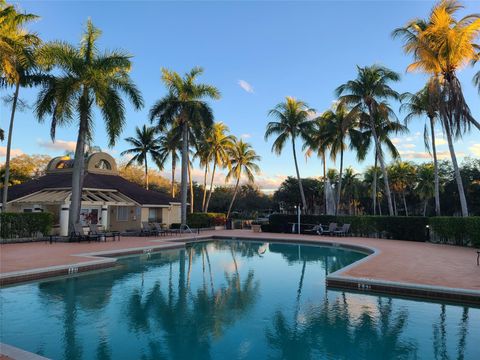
x: 94, y: 230
x: 331, y: 228
x: 159, y: 229
x: 79, y: 235
x: 147, y: 229
x: 343, y: 231
x: 314, y: 230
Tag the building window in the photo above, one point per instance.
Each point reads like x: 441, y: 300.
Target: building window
x: 154, y: 215
x: 122, y: 213
x: 103, y: 165
x: 89, y: 216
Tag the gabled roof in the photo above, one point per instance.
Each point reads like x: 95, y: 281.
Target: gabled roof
x: 91, y: 181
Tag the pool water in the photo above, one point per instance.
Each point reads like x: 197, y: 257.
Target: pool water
x: 230, y: 300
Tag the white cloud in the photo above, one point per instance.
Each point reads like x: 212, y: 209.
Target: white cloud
x: 246, y: 136
x: 441, y: 155
x: 246, y: 86
x: 475, y: 149
x: 13, y: 152
x: 408, y: 146
x: 440, y: 142
x: 57, y: 145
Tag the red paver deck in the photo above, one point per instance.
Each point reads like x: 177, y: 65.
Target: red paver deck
x: 395, y: 261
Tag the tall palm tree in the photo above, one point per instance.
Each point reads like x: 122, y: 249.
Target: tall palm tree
x: 424, y: 103
x: 294, y: 120
x: 169, y: 147
x: 243, y: 161
x: 369, y: 93
x: 18, y: 67
x: 204, y: 156
x: 145, y: 144
x: 441, y: 46
x: 339, y: 133
x: 86, y: 77
x: 185, y: 103
x: 220, y: 143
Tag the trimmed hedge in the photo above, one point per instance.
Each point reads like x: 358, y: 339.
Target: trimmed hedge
x: 412, y: 228
x: 24, y: 225
x: 205, y: 220
x: 457, y: 230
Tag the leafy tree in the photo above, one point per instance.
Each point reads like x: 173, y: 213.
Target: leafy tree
x: 402, y: 176
x: 425, y: 187
x: 136, y: 174
x: 293, y: 121
x: 288, y: 198
x: 25, y: 167
x: 184, y: 104
x: 169, y: 147
x: 85, y: 78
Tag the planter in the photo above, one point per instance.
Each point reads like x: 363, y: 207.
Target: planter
x: 220, y: 227
x: 257, y: 228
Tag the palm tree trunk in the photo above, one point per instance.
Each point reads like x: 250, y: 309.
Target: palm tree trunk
x: 9, y: 148
x: 324, y: 182
x: 395, y: 210
x: 435, y: 169
x: 458, y: 177
x: 211, y: 186
x: 192, y: 195
x: 146, y: 172
x: 374, y: 185
x: 204, y: 199
x: 184, y: 176
x: 302, y: 194
x: 382, y: 163
x: 339, y: 193
x: 425, y: 207
x: 233, y: 198
x: 174, y: 166
x: 405, y: 203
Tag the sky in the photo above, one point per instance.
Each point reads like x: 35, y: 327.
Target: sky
x: 256, y: 53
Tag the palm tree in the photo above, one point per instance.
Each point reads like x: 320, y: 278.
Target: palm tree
x: 220, y: 143
x: 204, y: 156
x: 85, y: 78
x: 169, y: 147
x: 425, y: 180
x: 340, y: 127
x: 144, y: 144
x: 18, y: 67
x: 423, y: 103
x: 350, y: 189
x: 243, y: 160
x: 368, y: 93
x: 442, y: 45
x: 293, y: 121
x: 402, y: 178
x: 184, y: 103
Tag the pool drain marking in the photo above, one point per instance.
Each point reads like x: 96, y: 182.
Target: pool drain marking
x: 72, y: 270
x: 364, y: 286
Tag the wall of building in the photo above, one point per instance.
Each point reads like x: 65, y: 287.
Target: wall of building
x: 132, y: 222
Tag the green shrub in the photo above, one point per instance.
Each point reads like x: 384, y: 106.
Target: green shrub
x: 205, y: 220
x: 22, y: 225
x: 457, y: 230
x: 391, y: 227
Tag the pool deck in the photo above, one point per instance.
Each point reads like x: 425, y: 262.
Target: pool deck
x: 398, y: 267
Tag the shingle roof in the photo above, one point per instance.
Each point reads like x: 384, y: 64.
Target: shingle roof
x: 91, y: 181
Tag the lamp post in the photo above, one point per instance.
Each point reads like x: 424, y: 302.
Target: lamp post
x: 298, y: 215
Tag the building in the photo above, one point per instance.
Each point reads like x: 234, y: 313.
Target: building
x: 107, y: 198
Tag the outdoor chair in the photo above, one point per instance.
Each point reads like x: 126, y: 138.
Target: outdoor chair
x: 94, y: 230
x: 342, y: 231
x: 331, y: 228
x: 314, y: 230
x: 159, y: 229
x: 147, y: 229
x: 79, y: 235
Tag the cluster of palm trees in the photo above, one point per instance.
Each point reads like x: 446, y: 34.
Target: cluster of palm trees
x: 74, y: 80
x: 441, y: 45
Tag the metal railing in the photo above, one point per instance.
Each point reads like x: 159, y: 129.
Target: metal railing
x: 186, y: 227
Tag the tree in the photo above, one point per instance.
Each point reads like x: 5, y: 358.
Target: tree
x: 441, y: 46
x: 184, y: 103
x: 426, y: 184
x: 219, y: 144
x: 136, y: 174
x: 402, y: 176
x: 25, y: 167
x: 145, y: 144
x: 169, y: 148
x: 424, y: 103
x: 85, y: 78
x: 368, y: 93
x: 243, y: 160
x: 18, y: 67
x: 293, y: 121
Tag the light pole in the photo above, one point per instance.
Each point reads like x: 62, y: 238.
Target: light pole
x: 298, y: 215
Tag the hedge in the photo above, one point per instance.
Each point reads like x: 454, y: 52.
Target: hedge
x: 456, y: 230
x: 412, y: 228
x: 205, y: 220
x: 24, y: 225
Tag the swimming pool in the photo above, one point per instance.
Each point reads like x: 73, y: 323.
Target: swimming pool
x: 230, y: 299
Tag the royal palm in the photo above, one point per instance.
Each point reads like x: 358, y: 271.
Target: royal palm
x: 169, y: 143
x: 85, y: 78
x: 145, y: 144
x: 368, y: 93
x: 293, y: 121
x: 184, y: 103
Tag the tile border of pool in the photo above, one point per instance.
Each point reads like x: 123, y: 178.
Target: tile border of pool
x: 15, y: 353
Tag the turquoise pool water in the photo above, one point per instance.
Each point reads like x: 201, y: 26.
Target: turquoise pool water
x: 230, y: 300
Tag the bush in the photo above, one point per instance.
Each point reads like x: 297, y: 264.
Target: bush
x: 456, y: 230
x: 390, y: 227
x: 21, y: 225
x: 205, y: 220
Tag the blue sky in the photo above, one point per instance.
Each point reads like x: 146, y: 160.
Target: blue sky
x: 256, y: 53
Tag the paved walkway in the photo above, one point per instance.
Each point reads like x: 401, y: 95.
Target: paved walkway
x: 394, y: 260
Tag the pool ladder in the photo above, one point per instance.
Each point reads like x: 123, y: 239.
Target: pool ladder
x: 190, y: 230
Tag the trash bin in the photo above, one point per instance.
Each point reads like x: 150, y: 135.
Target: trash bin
x: 228, y: 224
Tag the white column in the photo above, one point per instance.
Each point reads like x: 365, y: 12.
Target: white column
x: 105, y: 217
x: 64, y: 219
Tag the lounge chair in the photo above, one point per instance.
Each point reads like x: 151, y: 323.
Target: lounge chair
x: 331, y: 228
x: 343, y: 230
x: 314, y: 230
x: 94, y: 230
x: 79, y: 235
x: 159, y: 230
x: 147, y: 229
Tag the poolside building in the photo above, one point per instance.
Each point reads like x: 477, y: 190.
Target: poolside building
x: 107, y: 198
